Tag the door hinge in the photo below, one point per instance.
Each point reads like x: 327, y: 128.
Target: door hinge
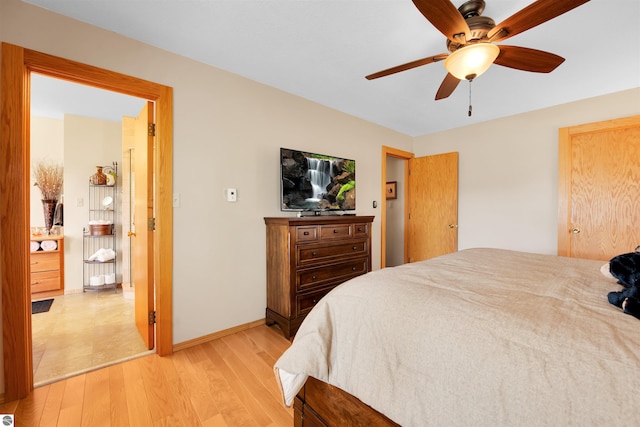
x: 152, y: 317
x: 152, y: 129
x: 152, y: 224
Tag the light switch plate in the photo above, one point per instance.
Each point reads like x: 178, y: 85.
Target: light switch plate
x: 231, y: 194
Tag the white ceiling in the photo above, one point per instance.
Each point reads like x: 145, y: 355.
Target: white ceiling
x: 322, y: 49
x: 54, y: 98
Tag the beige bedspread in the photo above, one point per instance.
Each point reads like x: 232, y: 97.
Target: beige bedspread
x: 481, y: 337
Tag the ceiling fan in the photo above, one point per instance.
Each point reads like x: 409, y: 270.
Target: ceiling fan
x: 471, y: 38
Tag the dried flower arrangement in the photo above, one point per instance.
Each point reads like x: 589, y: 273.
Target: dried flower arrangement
x: 49, y: 178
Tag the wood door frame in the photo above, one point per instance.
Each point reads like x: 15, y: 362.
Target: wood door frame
x: 405, y: 156
x: 565, y: 136
x: 17, y: 64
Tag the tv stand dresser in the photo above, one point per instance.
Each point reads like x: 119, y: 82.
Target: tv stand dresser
x: 309, y: 256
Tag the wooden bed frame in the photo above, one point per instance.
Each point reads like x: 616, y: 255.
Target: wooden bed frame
x: 321, y: 404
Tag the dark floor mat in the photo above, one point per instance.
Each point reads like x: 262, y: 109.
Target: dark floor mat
x: 41, y: 306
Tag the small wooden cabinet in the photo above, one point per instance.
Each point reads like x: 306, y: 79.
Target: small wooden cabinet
x: 309, y: 256
x: 47, y: 268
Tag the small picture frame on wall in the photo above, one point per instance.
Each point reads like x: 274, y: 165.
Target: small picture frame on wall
x: 391, y: 191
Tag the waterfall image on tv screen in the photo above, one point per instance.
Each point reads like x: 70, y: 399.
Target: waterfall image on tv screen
x: 316, y: 182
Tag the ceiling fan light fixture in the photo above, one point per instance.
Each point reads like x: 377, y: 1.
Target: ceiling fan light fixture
x: 471, y: 61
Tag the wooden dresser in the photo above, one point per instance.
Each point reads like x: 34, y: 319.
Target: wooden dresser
x: 47, y: 269
x: 309, y: 256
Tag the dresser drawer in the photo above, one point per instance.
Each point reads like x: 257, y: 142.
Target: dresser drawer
x: 307, y: 254
x: 45, y: 281
x: 305, y: 302
x: 330, y: 274
x: 360, y: 230
x: 305, y: 234
x: 44, y: 261
x: 335, y: 231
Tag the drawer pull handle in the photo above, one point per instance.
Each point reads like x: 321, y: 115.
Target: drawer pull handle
x: 34, y: 283
x: 355, y: 248
x: 353, y: 269
x: 359, y: 228
x: 314, y: 253
x: 315, y: 301
x: 335, y: 231
x: 314, y: 277
x: 306, y: 233
x: 34, y: 262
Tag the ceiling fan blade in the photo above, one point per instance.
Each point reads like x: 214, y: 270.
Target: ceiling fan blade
x: 445, y: 17
x: 407, y: 66
x: 536, y: 13
x: 523, y: 58
x: 448, y: 85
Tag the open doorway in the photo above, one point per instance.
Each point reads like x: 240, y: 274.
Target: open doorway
x: 395, y: 196
x: 430, y: 207
x: 88, y: 325
x: 17, y: 65
x: 395, y: 211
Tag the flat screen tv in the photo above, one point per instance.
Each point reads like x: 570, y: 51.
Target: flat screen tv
x: 316, y: 182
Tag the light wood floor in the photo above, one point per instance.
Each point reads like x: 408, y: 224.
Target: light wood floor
x: 81, y: 332
x: 225, y: 382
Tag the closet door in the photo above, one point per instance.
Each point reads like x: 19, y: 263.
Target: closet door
x: 599, y: 189
x: 433, y: 206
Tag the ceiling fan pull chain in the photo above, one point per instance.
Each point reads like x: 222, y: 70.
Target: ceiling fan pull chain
x: 469, y: 113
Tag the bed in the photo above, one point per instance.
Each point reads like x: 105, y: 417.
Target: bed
x: 478, y: 337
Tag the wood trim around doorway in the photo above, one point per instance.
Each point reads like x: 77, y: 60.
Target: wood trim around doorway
x: 16, y: 65
x: 403, y: 155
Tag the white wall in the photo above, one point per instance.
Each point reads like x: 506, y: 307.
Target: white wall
x: 79, y: 144
x: 88, y: 143
x: 227, y: 133
x: 508, y: 171
x: 47, y: 145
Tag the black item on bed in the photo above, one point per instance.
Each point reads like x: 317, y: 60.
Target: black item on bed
x: 626, y: 269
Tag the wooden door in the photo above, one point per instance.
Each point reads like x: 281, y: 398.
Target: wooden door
x: 433, y: 206
x: 142, y: 241
x: 599, y: 189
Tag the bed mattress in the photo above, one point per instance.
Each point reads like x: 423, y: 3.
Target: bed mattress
x: 478, y: 337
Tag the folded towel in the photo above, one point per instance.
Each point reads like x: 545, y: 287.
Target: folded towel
x: 110, y: 279
x: 34, y: 246
x: 49, y: 245
x: 103, y: 255
x: 96, y: 280
x: 58, y: 214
